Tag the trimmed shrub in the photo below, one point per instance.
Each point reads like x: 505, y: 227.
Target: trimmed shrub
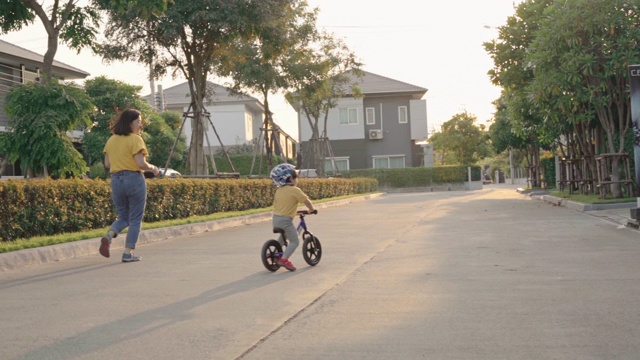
x: 39, y: 207
x: 417, y: 177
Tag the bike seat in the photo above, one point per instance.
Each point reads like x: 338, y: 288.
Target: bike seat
x: 278, y: 231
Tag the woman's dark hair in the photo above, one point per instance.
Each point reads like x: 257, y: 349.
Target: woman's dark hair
x: 123, y: 125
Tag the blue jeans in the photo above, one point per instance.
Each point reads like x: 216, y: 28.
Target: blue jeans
x: 129, y: 195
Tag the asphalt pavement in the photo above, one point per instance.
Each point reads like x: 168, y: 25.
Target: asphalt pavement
x: 616, y: 213
x: 486, y: 275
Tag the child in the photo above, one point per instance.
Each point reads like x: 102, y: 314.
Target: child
x: 285, y: 206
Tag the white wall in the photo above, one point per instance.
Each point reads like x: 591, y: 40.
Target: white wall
x: 418, y: 119
x: 229, y: 121
x: 336, y: 131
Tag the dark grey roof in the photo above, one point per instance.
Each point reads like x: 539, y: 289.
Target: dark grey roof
x: 15, y: 56
x: 217, y: 94
x: 373, y: 84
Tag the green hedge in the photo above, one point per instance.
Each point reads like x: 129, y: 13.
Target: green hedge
x: 417, y: 177
x: 41, y: 207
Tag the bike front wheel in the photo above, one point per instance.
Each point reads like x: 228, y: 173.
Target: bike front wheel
x: 271, y: 252
x: 311, y: 249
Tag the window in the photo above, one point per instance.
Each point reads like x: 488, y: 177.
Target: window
x: 342, y: 164
x: 402, y: 115
x: 388, y: 162
x: 348, y: 116
x: 371, y: 116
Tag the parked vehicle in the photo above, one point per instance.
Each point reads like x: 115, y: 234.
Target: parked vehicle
x: 307, y: 173
x: 170, y: 173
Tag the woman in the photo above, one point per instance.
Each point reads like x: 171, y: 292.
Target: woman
x: 125, y: 155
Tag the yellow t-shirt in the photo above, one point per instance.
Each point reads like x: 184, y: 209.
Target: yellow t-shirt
x: 286, y: 200
x: 121, y: 149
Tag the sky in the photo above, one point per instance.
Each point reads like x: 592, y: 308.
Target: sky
x: 432, y: 44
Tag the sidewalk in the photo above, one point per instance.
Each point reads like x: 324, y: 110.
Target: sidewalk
x: 619, y: 213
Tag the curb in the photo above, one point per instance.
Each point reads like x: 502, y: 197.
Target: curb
x: 574, y: 205
x: 47, y: 254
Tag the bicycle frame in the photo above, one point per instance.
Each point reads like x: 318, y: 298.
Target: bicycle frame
x: 302, y: 227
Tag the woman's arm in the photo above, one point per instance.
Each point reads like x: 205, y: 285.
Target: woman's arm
x: 142, y: 163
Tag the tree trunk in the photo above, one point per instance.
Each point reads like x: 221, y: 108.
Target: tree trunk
x: 197, y: 163
x: 266, y: 125
x: 197, y: 79
x: 47, y: 64
x: 3, y: 165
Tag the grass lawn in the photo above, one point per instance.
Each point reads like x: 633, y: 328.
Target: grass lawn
x: 20, y: 244
x: 590, y: 199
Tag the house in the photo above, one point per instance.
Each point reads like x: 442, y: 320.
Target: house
x: 19, y: 66
x: 238, y: 119
x: 382, y: 129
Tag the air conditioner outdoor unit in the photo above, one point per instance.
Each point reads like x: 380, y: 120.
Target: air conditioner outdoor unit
x: 375, y: 134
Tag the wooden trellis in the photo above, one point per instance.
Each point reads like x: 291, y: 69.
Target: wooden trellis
x: 604, y: 166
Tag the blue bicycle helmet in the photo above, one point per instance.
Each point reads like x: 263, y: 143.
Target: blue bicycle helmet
x: 281, y: 173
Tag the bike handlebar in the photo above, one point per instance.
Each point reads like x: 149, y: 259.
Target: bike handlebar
x: 306, y: 212
x: 149, y: 175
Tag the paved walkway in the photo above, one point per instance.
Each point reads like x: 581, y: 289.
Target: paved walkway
x: 618, y: 212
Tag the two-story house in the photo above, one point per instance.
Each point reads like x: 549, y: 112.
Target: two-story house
x: 19, y: 66
x: 379, y: 130
x: 238, y: 119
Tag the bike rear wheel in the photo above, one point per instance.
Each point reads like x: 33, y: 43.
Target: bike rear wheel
x: 311, y: 249
x: 271, y: 252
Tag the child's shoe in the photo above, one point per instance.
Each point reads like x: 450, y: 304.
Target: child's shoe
x: 287, y: 264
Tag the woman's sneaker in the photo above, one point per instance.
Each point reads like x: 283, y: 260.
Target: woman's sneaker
x: 104, y: 246
x: 287, y: 264
x: 130, y: 258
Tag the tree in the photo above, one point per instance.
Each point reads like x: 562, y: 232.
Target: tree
x: 441, y: 152
x: 261, y: 64
x: 189, y: 38
x: 173, y: 119
x: 503, y: 138
x: 109, y: 96
x: 501, y: 131
x: 322, y: 74
x: 40, y: 115
x: 160, y: 138
x: 586, y: 46
x: 514, y: 74
x: 461, y: 137
x: 75, y: 25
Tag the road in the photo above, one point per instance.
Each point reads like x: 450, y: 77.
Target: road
x: 487, y: 274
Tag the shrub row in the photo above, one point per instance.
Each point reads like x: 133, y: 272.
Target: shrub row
x: 41, y: 207
x: 417, y: 177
